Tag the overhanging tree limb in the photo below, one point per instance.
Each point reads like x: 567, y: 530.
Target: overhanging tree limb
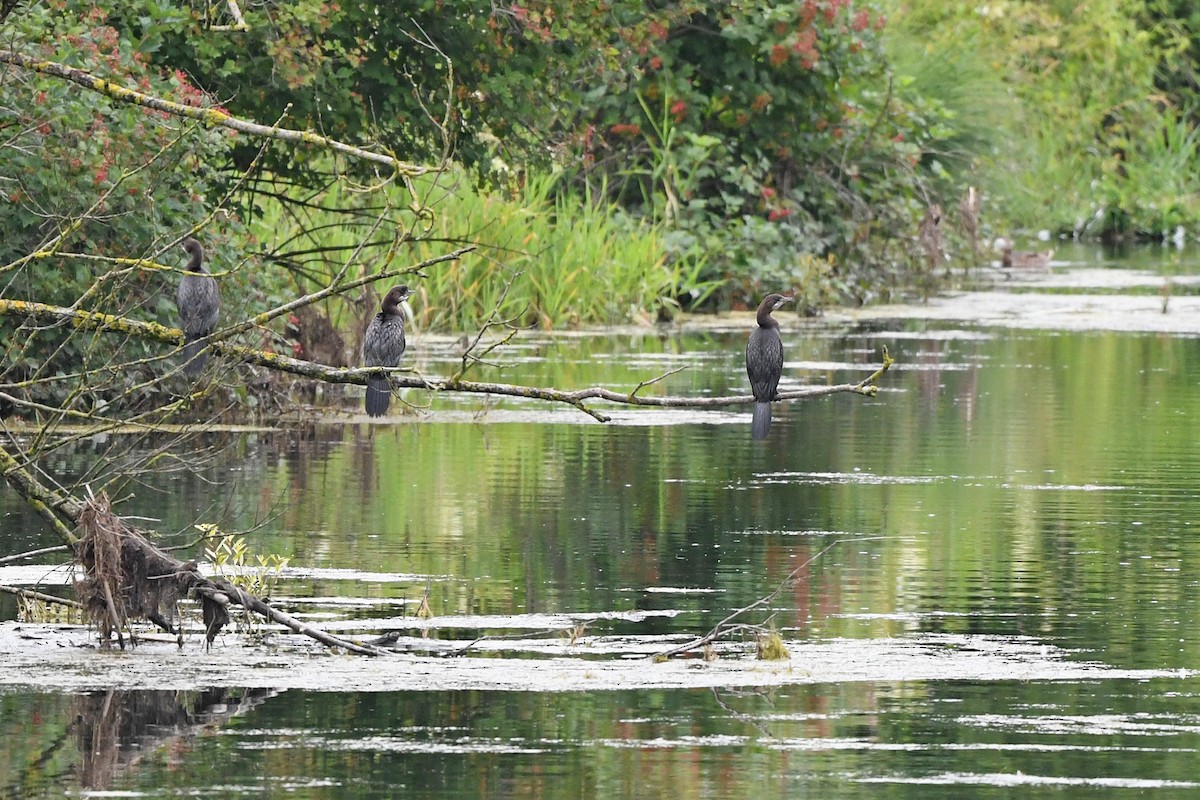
x: 55, y: 508
x: 210, y: 117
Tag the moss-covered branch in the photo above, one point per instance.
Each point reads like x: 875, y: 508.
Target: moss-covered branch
x: 55, y: 508
x: 404, y: 378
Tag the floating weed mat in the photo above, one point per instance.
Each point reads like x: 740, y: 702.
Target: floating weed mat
x: 51, y: 659
x: 124, y: 575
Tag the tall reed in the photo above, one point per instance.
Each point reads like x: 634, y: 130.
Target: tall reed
x: 546, y: 256
x: 565, y: 258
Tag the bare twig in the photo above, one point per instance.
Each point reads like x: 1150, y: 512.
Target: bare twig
x: 340, y: 288
x: 725, y: 625
x: 653, y: 381
x: 443, y: 125
x: 58, y: 548
x: 51, y: 247
x: 865, y: 141
x: 468, y: 357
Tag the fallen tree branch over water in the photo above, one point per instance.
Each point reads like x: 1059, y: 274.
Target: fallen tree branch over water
x: 406, y: 377
x: 126, y: 575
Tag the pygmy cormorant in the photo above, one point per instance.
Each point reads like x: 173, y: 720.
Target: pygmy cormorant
x: 764, y: 363
x: 383, y: 345
x: 199, y: 303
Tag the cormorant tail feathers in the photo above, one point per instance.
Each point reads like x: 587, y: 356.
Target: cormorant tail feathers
x: 761, y: 425
x: 379, y: 396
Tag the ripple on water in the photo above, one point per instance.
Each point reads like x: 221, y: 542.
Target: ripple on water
x: 1143, y: 724
x: 855, y: 477
x: 1006, y: 779
x: 399, y: 744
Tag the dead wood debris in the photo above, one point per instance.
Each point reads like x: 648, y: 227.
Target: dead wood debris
x: 127, y: 577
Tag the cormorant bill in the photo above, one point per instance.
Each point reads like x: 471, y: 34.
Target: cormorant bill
x: 383, y: 344
x: 199, y: 302
x: 764, y: 363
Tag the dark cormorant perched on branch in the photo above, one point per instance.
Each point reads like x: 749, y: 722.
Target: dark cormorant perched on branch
x: 764, y: 363
x: 383, y: 345
x: 199, y: 303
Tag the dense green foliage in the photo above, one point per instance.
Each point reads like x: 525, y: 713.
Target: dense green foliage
x: 745, y: 145
x: 1174, y: 26
x: 757, y: 133
x: 760, y: 133
x: 115, y: 181
x: 127, y: 173
x: 1095, y: 128
x: 564, y: 260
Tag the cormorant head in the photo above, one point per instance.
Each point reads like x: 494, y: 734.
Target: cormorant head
x: 773, y: 301
x: 195, y: 255
x: 396, y: 296
x: 769, y: 304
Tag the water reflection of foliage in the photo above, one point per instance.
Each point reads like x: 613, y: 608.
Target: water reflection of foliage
x: 112, y: 733
x: 115, y: 729
x: 965, y: 459
x: 974, y: 466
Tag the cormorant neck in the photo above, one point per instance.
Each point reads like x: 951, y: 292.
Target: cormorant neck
x: 195, y: 260
x: 765, y: 320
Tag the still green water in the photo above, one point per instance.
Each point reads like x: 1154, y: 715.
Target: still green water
x: 1008, y: 483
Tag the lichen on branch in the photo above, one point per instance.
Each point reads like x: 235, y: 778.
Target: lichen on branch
x: 406, y: 378
x: 210, y: 117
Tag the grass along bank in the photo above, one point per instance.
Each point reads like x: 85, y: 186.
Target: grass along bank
x: 546, y: 257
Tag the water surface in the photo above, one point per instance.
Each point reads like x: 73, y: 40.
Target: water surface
x: 1034, y: 488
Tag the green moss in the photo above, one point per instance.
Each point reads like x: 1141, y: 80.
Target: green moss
x: 770, y: 647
